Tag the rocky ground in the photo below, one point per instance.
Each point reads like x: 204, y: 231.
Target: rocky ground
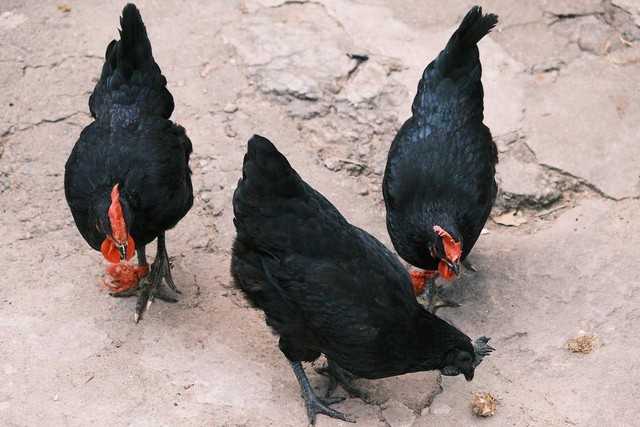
x: 558, y: 260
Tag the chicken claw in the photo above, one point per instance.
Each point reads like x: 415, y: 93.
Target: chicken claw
x: 148, y: 288
x: 433, y: 299
x: 160, y: 270
x: 314, y: 404
x: 338, y: 376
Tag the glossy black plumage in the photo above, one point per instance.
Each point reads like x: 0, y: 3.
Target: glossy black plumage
x: 327, y: 286
x: 441, y: 165
x: 131, y: 142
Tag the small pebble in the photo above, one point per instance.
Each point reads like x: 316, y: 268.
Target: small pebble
x: 206, y: 196
x: 230, y: 108
x: 362, y: 190
x: 332, y: 165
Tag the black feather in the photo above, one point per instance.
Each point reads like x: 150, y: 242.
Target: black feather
x: 130, y: 77
x: 441, y: 164
x: 131, y: 143
x: 325, y: 285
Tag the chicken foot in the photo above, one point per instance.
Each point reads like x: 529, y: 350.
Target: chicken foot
x: 338, y: 376
x: 433, y: 299
x: 314, y: 404
x: 149, y: 286
x: 160, y: 269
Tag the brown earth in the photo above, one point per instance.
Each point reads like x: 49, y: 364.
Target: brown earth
x: 562, y: 83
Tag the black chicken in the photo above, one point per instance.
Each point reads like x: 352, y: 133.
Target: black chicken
x: 439, y: 183
x: 329, y: 287
x: 127, y: 179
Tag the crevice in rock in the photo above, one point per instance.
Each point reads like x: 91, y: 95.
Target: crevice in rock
x: 537, y: 188
x: 439, y: 390
x: 289, y: 2
x: 562, y: 17
x: 43, y: 121
x: 580, y: 184
x: 51, y: 65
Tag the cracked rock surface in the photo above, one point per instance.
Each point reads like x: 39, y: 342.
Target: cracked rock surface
x: 562, y: 81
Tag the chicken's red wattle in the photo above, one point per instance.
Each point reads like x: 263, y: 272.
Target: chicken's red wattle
x: 110, y: 251
x: 445, y: 272
x: 124, y: 276
x: 419, y: 279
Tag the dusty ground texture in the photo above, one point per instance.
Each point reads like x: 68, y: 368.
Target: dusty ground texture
x: 562, y: 83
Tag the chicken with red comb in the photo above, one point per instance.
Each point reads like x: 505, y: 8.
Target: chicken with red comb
x: 439, y: 184
x: 127, y: 179
x: 329, y: 287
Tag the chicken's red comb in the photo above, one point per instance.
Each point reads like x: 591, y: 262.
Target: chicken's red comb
x: 452, y: 249
x: 118, y: 227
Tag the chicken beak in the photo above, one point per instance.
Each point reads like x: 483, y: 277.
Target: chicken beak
x: 122, y: 249
x: 454, y: 267
x: 468, y: 375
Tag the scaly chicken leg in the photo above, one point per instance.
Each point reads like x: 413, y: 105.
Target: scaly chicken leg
x: 424, y: 284
x: 338, y: 376
x: 148, y: 286
x: 160, y: 269
x: 316, y: 405
x: 433, y: 299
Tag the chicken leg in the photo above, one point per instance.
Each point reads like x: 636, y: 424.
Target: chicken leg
x: 149, y: 286
x: 316, y: 405
x: 433, y: 299
x: 160, y: 269
x: 424, y: 284
x: 339, y: 376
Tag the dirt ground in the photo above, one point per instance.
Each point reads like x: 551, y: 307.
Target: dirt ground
x: 562, y: 83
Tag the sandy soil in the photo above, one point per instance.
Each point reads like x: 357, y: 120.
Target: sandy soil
x: 562, y: 80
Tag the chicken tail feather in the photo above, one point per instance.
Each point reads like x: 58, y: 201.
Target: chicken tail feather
x: 131, y: 81
x: 462, y: 50
x: 456, y: 70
